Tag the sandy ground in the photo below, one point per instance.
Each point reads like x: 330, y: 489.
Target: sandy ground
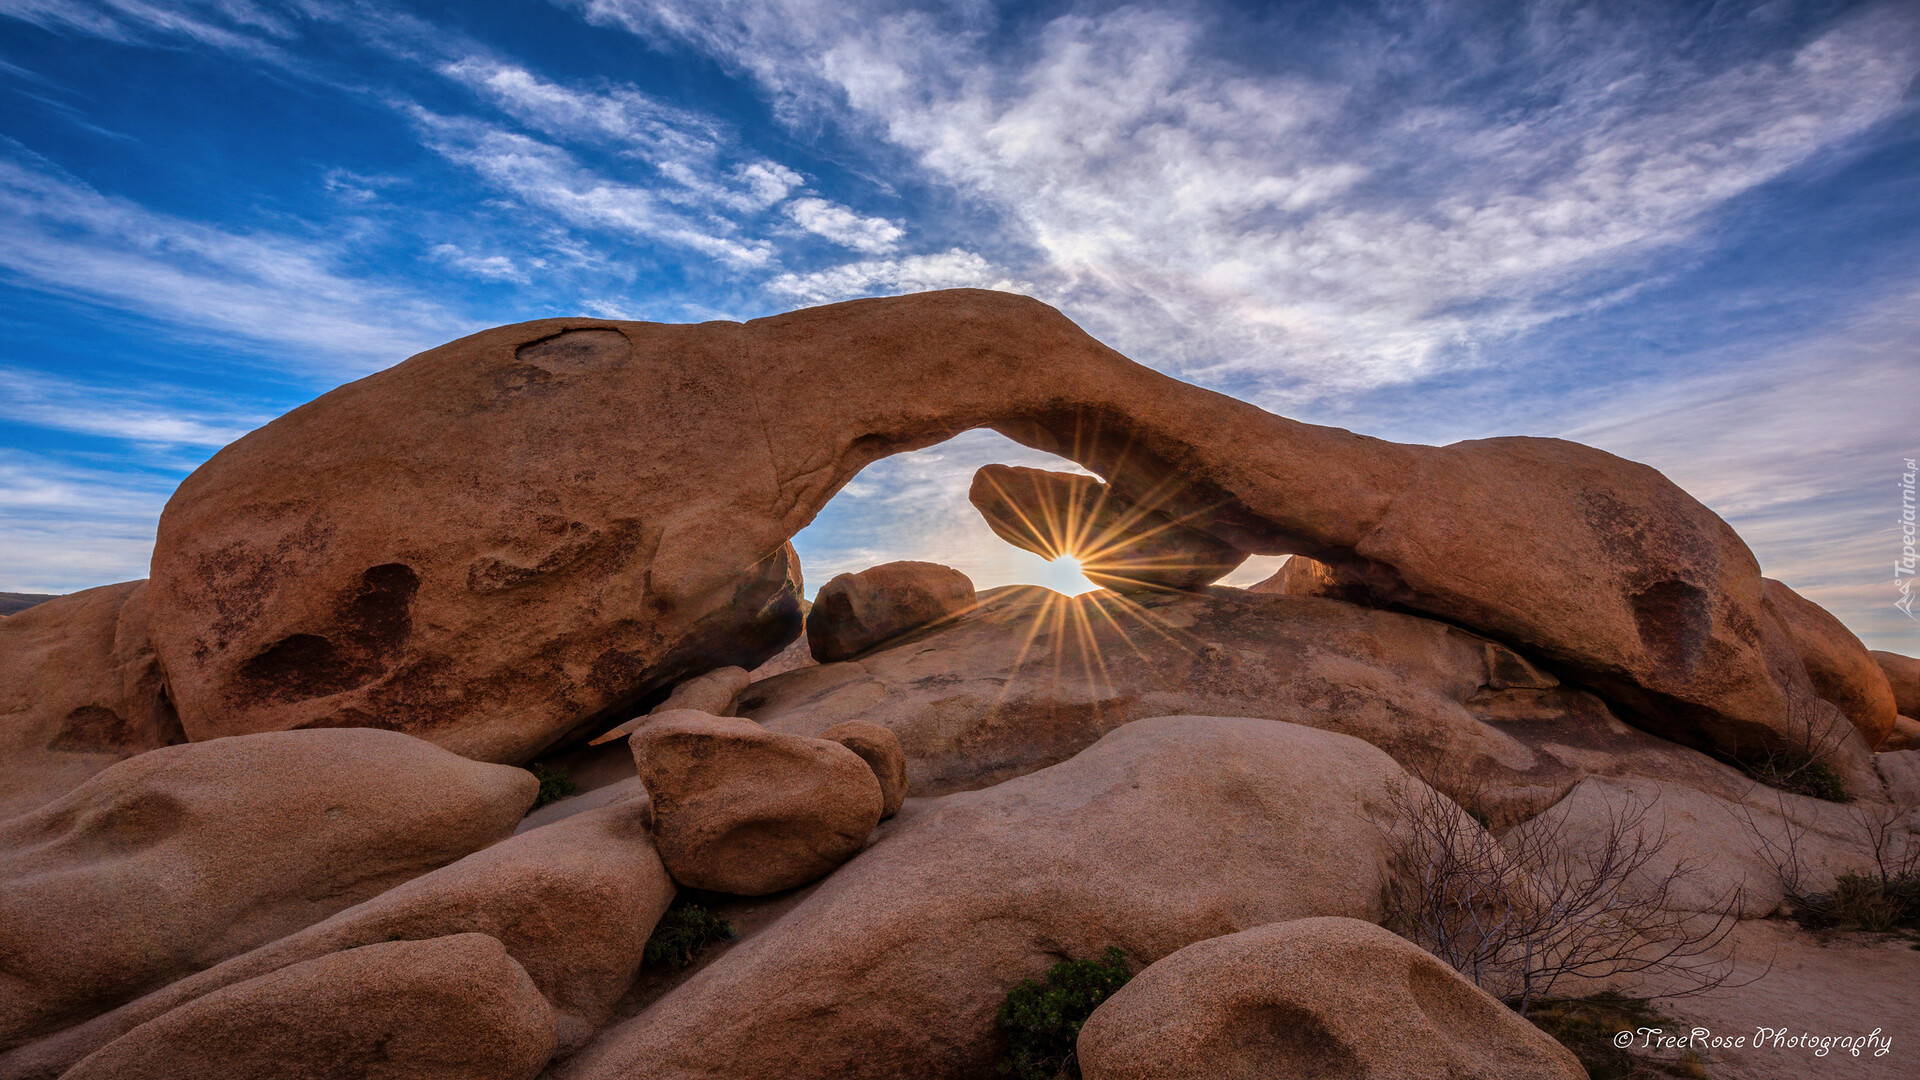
x: 1830, y: 984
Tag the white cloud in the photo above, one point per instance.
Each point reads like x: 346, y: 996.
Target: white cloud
x: 491, y: 267
x: 548, y: 177
x: 885, y: 277
x: 235, y: 25
x: 1230, y: 223
x: 872, y: 235
x: 149, y: 414
x: 61, y: 236
x: 65, y: 528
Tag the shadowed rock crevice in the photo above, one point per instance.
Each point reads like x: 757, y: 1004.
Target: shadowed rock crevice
x: 369, y: 629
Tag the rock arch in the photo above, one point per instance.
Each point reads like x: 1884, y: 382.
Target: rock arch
x: 593, y: 509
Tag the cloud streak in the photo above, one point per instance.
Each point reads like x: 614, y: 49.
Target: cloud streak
x: 61, y: 236
x: 1311, y: 235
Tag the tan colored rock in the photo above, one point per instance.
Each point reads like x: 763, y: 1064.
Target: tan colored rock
x: 1301, y: 576
x: 1166, y: 832
x: 1734, y: 850
x: 1903, y: 678
x: 879, y: 747
x: 572, y: 902
x: 1312, y: 998
x: 80, y: 688
x: 712, y: 693
x: 1842, y: 670
x: 854, y: 612
x: 174, y: 860
x: 451, y: 1008
x: 1030, y: 678
x: 1905, y: 735
x: 647, y: 541
x: 1119, y: 544
x: 740, y: 809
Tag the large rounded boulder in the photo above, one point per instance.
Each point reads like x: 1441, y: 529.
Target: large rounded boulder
x: 174, y: 860
x: 740, y: 809
x: 80, y: 688
x: 1842, y: 670
x: 573, y: 904
x: 854, y: 612
x: 1312, y: 998
x: 452, y: 1008
x: 1166, y: 832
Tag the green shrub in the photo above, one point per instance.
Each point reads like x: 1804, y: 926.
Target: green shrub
x: 1797, y: 774
x: 681, y: 934
x: 1587, y: 1027
x: 1864, y: 902
x: 1042, y: 1022
x: 554, y: 785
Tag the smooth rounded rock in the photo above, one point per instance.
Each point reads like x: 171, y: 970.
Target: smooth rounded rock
x: 1903, y: 678
x: 740, y: 809
x: 854, y: 612
x: 1166, y: 832
x: 174, y: 860
x: 879, y: 747
x: 1842, y: 670
x: 80, y: 688
x: 450, y: 1008
x: 1312, y: 998
x: 573, y: 903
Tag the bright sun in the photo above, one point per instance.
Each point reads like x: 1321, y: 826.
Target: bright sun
x: 1063, y: 575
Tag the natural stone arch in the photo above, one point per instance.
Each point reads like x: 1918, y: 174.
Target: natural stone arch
x: 593, y: 509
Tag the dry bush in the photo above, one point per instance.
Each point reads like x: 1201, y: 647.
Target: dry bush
x: 1880, y: 897
x: 1521, y: 913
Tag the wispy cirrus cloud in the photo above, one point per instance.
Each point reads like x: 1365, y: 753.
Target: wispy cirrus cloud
x: 62, y: 236
x: 954, y: 269
x: 66, y: 527
x: 152, y: 415
x: 1807, y: 469
x: 1313, y: 233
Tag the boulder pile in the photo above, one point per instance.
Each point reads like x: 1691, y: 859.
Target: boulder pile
x: 264, y: 814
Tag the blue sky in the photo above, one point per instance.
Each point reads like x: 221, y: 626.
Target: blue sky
x: 1688, y: 234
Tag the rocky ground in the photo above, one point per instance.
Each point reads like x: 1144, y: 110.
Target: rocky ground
x: 474, y: 723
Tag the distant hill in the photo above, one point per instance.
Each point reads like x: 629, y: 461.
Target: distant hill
x: 11, y: 602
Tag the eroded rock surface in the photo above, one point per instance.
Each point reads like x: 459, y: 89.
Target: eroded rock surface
x: 1118, y: 544
x: 174, y: 860
x: 572, y: 903
x: 80, y: 688
x: 740, y: 809
x: 1327, y: 997
x: 854, y: 612
x: 295, y: 585
x: 1166, y: 832
x: 452, y: 1008
x: 1032, y: 677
